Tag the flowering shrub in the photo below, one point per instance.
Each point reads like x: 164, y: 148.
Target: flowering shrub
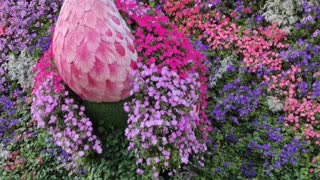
x: 162, y: 56
x: 162, y: 123
x: 229, y: 111
x: 259, y: 54
x: 54, y: 110
x: 175, y: 52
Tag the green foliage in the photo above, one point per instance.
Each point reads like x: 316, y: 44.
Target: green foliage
x: 116, y: 162
x: 20, y: 69
x: 107, y: 116
x: 34, y: 147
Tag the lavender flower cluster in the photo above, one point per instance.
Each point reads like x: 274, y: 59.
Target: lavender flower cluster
x: 270, y: 145
x: 305, y: 56
x: 162, y: 119
x: 311, y: 15
x: 24, y: 20
x: 65, y: 121
x: 240, y: 101
x: 8, y: 109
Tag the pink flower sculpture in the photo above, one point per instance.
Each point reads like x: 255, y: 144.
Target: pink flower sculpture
x: 93, y: 50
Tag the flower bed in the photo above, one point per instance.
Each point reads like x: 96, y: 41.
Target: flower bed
x: 219, y: 90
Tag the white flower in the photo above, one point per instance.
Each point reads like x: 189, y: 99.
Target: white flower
x: 20, y: 68
x: 274, y: 104
x: 223, y: 68
x: 282, y: 12
x: 3, y: 153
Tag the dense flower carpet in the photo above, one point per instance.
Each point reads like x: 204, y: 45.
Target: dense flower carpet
x: 160, y: 89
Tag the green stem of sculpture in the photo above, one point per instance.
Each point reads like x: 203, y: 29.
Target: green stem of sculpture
x: 107, y: 117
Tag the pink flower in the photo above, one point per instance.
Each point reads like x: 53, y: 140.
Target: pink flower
x: 311, y: 170
x: 81, y: 153
x: 2, y: 31
x: 140, y: 171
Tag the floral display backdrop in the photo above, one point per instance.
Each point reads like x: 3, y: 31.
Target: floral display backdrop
x: 221, y: 90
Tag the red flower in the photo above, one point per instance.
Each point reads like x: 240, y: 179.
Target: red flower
x: 39, y: 160
x: 13, y: 168
x: 233, y: 15
x: 18, y: 138
x: 247, y: 10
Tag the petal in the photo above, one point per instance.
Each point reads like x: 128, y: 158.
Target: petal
x: 120, y: 49
x: 112, y: 91
x: 96, y: 87
x: 106, y: 53
x: 57, y: 43
x: 65, y: 71
x: 79, y: 12
x: 70, y: 47
x: 101, y: 27
x: 122, y: 55
x: 77, y: 76
x: 85, y: 58
x: 117, y: 73
x: 100, y: 71
x: 92, y: 39
x: 130, y: 47
x: 89, y: 19
x: 100, y: 8
x: 74, y: 86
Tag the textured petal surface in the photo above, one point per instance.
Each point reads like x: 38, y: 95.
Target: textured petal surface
x: 93, y: 50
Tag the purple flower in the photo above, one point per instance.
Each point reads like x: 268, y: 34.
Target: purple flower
x: 81, y: 153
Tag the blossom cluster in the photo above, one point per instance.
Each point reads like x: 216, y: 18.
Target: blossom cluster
x: 163, y: 49
x: 162, y: 118
x: 300, y: 107
x: 273, y: 148
x: 256, y: 47
x: 21, y: 22
x: 160, y: 42
x: 8, y: 109
x: 222, y: 35
x: 238, y: 104
x: 259, y: 47
x: 55, y: 111
x: 311, y: 15
x: 284, y: 13
x: 219, y: 32
x: 20, y: 69
x: 187, y: 14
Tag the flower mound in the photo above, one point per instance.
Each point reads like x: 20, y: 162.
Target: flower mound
x: 162, y: 123
x: 166, y: 115
x: 59, y: 114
